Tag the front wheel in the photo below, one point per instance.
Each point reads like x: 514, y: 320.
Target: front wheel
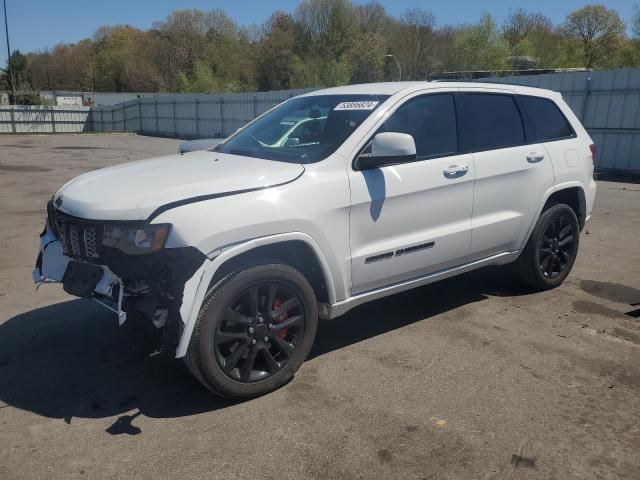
x: 255, y: 328
x: 552, y: 248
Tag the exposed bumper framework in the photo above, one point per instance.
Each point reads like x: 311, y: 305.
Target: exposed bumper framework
x: 152, y: 286
x: 101, y: 284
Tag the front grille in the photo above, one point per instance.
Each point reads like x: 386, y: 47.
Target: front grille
x: 79, y: 238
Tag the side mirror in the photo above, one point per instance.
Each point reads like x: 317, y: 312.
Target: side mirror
x: 388, y: 148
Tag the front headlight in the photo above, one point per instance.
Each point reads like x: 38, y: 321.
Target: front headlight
x: 137, y: 240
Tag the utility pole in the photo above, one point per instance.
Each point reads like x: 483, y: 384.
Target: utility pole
x: 9, y: 69
x: 170, y: 69
x: 46, y: 64
x: 166, y: 37
x: 93, y: 71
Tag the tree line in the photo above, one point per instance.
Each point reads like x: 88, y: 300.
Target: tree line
x: 322, y: 43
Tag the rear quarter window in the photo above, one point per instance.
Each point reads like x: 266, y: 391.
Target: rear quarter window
x: 546, y: 119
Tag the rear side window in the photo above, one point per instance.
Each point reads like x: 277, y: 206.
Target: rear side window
x: 431, y: 121
x: 491, y: 121
x: 546, y: 119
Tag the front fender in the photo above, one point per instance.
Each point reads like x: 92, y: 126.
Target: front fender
x: 197, y: 286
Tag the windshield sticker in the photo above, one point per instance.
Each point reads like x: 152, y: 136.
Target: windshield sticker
x: 366, y: 105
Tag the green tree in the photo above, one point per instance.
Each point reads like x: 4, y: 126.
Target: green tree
x: 532, y: 36
x: 119, y: 60
x: 15, y: 71
x: 630, y: 51
x: 202, y: 80
x: 277, y: 60
x: 599, y: 31
x: 521, y: 24
x: 480, y: 47
x: 635, y: 22
x: 366, y: 59
x: 15, y: 78
x: 373, y: 18
x: 328, y: 24
x: 323, y: 43
x: 413, y: 41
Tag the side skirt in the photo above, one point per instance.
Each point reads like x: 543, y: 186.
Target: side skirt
x: 328, y: 311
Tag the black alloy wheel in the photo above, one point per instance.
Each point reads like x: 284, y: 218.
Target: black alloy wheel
x: 259, y: 331
x: 556, y: 246
x: 256, y: 326
x: 551, y: 250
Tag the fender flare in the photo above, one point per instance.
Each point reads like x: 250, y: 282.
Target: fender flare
x: 553, y: 189
x: 197, y: 286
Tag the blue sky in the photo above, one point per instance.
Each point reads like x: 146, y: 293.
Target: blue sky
x: 40, y: 24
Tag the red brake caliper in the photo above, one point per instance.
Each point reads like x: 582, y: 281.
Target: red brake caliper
x: 276, y: 303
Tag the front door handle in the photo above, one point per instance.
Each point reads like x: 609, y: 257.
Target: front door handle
x: 455, y: 171
x: 534, y: 157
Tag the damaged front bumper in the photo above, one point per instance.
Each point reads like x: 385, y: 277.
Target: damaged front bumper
x: 82, y: 279
x: 152, y: 286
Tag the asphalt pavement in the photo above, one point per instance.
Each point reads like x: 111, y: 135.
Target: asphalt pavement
x: 474, y: 377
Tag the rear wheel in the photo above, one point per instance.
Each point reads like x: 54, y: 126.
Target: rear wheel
x: 254, y: 330
x: 552, y: 248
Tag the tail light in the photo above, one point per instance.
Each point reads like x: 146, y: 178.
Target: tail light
x: 594, y: 150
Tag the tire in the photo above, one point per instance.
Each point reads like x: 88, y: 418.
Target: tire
x: 247, y: 344
x: 546, y: 261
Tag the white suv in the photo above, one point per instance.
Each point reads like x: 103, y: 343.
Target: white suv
x: 236, y: 251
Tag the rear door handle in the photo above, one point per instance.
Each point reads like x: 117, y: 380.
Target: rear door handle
x: 534, y: 157
x: 455, y: 171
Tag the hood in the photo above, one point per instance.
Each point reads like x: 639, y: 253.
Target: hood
x: 133, y: 191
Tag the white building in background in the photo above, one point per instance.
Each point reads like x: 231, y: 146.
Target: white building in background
x: 69, y: 100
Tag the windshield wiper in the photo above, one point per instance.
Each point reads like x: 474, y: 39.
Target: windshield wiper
x: 280, y: 155
x: 238, y: 151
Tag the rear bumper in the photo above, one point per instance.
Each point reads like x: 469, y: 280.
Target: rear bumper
x: 591, y: 197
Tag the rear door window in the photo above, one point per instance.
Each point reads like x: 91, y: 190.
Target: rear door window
x: 547, y: 121
x: 491, y: 121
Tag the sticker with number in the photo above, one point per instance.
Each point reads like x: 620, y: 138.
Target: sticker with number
x: 364, y: 105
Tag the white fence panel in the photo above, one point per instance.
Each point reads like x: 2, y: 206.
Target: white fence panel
x: 188, y: 116
x: 43, y: 119
x: 607, y: 103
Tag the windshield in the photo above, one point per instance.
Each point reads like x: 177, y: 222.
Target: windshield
x: 304, y: 129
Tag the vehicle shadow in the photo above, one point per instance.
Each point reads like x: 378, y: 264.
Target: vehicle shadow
x: 72, y: 360
x: 397, y: 311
